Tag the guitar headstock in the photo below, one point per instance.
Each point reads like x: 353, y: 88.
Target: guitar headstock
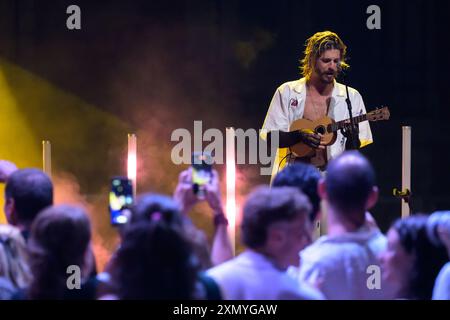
x: 379, y: 114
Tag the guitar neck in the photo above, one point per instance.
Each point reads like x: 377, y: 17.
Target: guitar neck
x: 341, y: 124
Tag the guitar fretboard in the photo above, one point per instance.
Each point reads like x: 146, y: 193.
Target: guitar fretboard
x: 341, y: 124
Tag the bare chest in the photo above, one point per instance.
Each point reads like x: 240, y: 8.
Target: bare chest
x: 316, y: 108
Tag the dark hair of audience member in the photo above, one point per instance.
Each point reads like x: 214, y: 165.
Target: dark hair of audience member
x: 349, y: 181
x: 60, y: 236
x: 438, y: 228
x: 265, y: 206
x: 429, y: 257
x: 305, y: 177
x: 32, y: 191
x: 155, y: 260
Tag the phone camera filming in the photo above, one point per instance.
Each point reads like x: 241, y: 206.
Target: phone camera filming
x: 120, y: 200
x: 201, y: 172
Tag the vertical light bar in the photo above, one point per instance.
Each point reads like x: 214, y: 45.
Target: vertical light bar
x: 132, y: 161
x: 406, y: 167
x: 47, y: 157
x: 231, y: 185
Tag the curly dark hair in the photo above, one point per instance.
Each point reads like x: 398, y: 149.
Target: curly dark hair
x: 429, y: 257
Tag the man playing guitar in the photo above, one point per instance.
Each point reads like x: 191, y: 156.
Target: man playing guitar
x: 313, y: 97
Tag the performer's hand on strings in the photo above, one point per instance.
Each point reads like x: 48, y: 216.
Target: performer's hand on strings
x: 351, y: 132
x: 348, y: 129
x: 311, y: 139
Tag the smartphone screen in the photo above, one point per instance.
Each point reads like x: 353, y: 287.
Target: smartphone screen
x: 120, y: 200
x: 201, y: 172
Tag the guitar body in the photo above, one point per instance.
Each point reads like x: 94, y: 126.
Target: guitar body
x: 327, y: 127
x: 318, y: 126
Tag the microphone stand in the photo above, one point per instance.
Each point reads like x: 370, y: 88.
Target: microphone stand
x: 352, y: 125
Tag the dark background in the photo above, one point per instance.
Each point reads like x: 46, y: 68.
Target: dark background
x: 160, y: 65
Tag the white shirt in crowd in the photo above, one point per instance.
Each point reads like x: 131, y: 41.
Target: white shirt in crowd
x: 251, y: 276
x: 338, y: 265
x: 441, y: 289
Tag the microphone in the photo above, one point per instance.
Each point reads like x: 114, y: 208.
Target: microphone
x: 342, y: 72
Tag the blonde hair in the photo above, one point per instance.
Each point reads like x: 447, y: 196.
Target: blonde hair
x: 318, y: 44
x: 14, y: 257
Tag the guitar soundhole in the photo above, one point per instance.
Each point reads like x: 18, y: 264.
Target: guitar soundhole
x: 320, y: 130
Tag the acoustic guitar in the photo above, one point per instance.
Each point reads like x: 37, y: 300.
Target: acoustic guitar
x: 328, y: 128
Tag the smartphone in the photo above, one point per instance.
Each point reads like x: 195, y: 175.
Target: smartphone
x: 201, y: 172
x: 120, y: 200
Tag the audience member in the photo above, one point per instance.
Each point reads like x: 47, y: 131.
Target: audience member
x: 411, y: 260
x: 275, y: 227
x: 27, y: 192
x: 337, y: 263
x: 221, y: 249
x: 438, y: 228
x: 155, y: 259
x: 14, y: 266
x: 59, y: 242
